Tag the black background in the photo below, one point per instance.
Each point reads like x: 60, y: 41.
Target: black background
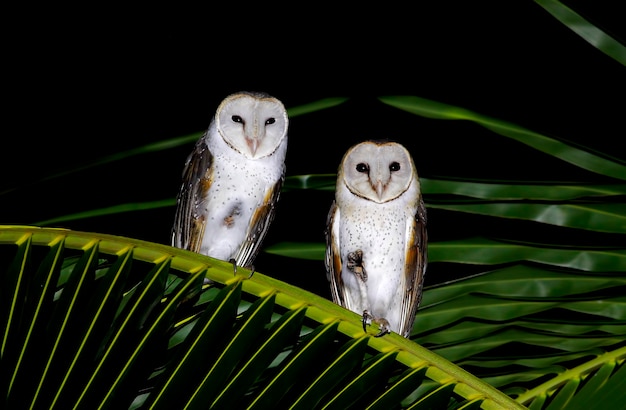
x: 85, y: 83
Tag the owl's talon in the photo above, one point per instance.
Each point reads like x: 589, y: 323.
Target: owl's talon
x: 234, y: 262
x: 382, y: 323
x: 367, y: 320
x: 384, y: 326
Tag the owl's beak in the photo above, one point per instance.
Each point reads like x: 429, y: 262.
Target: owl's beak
x: 379, y: 189
x: 253, y: 144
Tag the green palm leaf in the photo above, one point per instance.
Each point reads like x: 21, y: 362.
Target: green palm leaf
x: 531, y: 321
x: 483, y: 251
x: 604, y: 217
x: 593, y: 35
x: 487, y: 251
x: 566, y: 152
x: 512, y: 190
x: 124, y: 323
x: 256, y: 317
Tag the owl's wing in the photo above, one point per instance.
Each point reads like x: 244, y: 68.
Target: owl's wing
x: 333, y: 256
x: 188, y: 228
x: 259, y: 224
x: 415, y: 268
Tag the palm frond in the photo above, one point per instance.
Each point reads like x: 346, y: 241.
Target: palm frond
x: 563, y: 150
x: 93, y: 320
x: 590, y: 33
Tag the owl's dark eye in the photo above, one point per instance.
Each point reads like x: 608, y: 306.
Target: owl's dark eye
x: 236, y: 118
x: 361, y: 167
x: 270, y: 121
x: 394, y: 166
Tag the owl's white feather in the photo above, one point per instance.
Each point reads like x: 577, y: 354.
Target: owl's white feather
x: 379, y: 212
x: 232, y: 179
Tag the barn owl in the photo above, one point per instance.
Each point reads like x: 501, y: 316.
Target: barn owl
x: 232, y: 180
x: 376, y: 236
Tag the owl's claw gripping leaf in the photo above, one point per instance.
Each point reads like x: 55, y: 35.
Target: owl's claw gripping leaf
x: 382, y: 323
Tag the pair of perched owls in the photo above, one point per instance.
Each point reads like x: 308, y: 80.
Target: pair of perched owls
x: 376, y: 230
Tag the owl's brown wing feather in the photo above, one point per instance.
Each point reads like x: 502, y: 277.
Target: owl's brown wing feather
x: 259, y: 225
x: 188, y: 228
x: 415, y: 268
x: 332, y: 258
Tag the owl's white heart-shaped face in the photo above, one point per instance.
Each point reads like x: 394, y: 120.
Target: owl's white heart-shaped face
x: 252, y: 124
x: 378, y: 171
